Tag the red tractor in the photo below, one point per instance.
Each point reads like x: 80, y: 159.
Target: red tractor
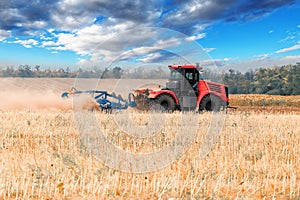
x: 185, y: 90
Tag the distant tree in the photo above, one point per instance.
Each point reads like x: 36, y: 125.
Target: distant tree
x: 25, y: 71
x: 37, y: 68
x: 8, y: 72
x: 117, y: 72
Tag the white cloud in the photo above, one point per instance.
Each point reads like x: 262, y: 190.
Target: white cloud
x: 121, y: 41
x: 150, y: 57
x: 200, y: 27
x: 208, y: 50
x: 293, y: 48
x: 43, y: 38
x: 48, y: 44
x: 227, y: 59
x: 262, y: 56
x: 27, y: 43
x: 196, y: 37
x: 93, y: 38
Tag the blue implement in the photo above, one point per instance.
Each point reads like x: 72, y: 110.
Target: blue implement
x: 105, y: 100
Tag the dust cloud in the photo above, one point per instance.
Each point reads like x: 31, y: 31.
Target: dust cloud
x: 49, y: 100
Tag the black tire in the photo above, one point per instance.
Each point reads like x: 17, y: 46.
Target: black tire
x: 210, y: 103
x: 164, y: 103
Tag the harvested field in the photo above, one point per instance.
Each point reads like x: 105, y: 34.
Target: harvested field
x: 266, y: 103
x: 256, y: 156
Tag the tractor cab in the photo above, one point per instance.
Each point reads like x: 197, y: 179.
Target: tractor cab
x: 183, y: 79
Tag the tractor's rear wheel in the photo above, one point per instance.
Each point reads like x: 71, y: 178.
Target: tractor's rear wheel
x: 163, y: 103
x: 210, y: 103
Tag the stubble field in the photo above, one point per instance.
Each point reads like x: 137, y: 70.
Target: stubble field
x: 256, y: 156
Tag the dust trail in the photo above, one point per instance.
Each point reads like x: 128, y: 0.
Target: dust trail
x: 37, y: 100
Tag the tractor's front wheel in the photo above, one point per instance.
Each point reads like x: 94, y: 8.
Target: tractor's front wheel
x: 163, y: 103
x: 210, y: 103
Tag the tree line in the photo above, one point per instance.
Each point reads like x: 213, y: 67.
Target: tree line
x: 284, y: 80
x: 27, y: 71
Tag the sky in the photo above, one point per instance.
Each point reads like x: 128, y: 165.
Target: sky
x: 238, y: 34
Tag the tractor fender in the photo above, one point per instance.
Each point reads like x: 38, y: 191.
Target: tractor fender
x: 200, y: 97
x: 155, y: 94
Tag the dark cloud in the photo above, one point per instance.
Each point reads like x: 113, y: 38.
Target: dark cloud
x: 37, y: 10
x: 129, y: 10
x: 186, y: 15
x: 20, y: 16
x: 136, y: 11
x: 182, y: 15
x: 71, y: 15
x: 249, y: 10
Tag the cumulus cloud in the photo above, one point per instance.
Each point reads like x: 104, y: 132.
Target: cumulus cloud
x: 107, y: 43
x: 48, y: 44
x: 27, y: 43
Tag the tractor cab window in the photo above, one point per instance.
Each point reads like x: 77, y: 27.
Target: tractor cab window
x: 189, y: 76
x: 175, y: 75
x: 201, y: 76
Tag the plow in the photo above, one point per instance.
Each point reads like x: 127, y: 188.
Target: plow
x: 186, y: 90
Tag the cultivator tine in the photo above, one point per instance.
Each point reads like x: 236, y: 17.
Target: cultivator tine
x: 73, y: 90
x: 120, y: 97
x: 114, y: 95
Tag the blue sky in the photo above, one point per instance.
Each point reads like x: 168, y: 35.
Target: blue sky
x: 74, y: 33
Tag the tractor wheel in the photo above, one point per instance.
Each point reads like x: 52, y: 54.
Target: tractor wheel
x: 210, y: 103
x: 163, y: 103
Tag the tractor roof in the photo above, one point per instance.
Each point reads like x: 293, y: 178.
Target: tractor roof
x: 183, y: 66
